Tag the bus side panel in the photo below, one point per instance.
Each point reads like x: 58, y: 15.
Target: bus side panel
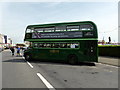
x: 54, y: 54
x: 40, y: 53
x: 65, y: 53
x: 91, y: 50
x: 84, y: 53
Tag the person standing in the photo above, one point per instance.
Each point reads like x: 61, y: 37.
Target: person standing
x: 18, y: 51
x: 12, y: 50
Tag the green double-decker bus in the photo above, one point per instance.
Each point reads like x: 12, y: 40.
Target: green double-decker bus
x: 70, y: 42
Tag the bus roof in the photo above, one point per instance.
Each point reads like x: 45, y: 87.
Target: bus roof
x: 57, y: 24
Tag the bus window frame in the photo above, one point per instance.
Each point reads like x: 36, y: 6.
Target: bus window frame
x: 56, y: 43
x: 87, y: 29
x: 51, y: 30
x: 32, y: 30
x: 70, y: 29
x: 61, y: 30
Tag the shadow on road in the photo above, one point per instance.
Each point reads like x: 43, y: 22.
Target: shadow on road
x: 61, y: 63
x: 15, y: 60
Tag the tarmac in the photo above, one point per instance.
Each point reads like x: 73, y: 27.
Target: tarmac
x: 109, y: 60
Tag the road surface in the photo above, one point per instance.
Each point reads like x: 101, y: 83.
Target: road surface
x: 18, y: 73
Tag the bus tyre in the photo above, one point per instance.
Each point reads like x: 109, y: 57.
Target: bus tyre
x: 28, y: 57
x: 72, y: 59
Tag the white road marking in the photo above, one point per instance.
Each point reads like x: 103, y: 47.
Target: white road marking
x: 29, y: 64
x: 49, y: 86
x: 23, y: 57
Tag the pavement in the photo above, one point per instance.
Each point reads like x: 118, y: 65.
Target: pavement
x: 109, y: 60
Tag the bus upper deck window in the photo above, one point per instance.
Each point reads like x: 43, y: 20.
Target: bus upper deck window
x: 86, y: 27
x: 49, y: 29
x: 28, y: 30
x: 60, y: 28
x: 73, y: 28
x: 38, y: 29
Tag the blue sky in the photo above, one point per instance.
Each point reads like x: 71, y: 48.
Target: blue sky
x: 17, y: 15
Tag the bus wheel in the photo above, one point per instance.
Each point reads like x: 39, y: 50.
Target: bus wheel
x: 27, y: 57
x: 72, y: 59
